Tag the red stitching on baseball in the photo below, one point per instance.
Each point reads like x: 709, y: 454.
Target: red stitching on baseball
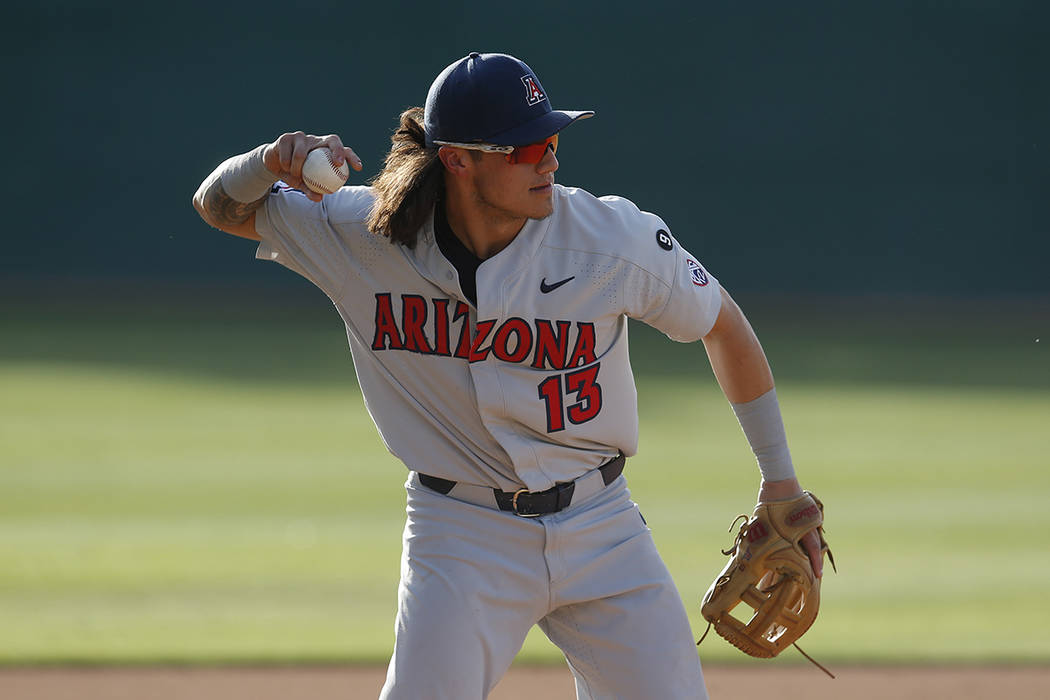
x: 314, y: 185
x: 317, y: 186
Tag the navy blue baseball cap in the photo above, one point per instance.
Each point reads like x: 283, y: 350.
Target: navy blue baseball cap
x: 491, y: 98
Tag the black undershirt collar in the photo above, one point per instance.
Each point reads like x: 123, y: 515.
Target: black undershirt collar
x: 465, y: 262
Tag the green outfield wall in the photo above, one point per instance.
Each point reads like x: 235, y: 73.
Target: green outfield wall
x: 812, y: 146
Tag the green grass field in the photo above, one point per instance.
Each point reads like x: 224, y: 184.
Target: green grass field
x: 199, y: 482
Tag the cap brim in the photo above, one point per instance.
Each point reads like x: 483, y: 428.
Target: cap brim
x: 538, y: 129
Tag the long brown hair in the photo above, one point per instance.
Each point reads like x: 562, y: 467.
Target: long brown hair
x: 411, y: 182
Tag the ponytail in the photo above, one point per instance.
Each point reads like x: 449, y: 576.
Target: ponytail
x: 411, y: 182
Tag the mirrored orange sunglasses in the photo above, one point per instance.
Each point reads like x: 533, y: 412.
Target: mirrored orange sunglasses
x: 532, y: 153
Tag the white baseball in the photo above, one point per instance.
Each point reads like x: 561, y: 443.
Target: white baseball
x: 321, y: 174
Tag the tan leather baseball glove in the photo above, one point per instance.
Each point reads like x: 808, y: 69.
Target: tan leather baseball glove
x: 770, y: 573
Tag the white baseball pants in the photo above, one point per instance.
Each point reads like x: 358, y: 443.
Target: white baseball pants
x: 474, y: 580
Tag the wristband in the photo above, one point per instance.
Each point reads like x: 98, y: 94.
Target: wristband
x: 764, y: 428
x: 244, y: 178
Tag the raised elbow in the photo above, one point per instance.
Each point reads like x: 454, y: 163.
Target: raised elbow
x: 198, y: 204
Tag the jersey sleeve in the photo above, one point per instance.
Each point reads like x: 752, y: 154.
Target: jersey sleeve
x: 668, y: 288
x: 314, y: 239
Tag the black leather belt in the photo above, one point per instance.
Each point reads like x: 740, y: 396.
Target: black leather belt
x: 532, y: 503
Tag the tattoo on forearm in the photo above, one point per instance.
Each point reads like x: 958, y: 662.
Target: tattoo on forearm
x: 225, y: 210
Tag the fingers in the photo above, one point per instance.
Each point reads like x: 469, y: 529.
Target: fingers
x: 353, y: 159
x: 811, y: 544
x: 301, y: 145
x: 286, y: 156
x: 341, y: 153
x: 280, y: 155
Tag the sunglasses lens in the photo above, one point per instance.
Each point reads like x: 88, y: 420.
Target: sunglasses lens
x: 534, y: 152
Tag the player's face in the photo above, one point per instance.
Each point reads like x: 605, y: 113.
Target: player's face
x: 516, y: 190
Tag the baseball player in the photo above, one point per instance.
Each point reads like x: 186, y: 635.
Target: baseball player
x: 486, y: 309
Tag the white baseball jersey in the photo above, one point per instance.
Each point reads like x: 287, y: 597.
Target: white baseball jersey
x: 531, y: 386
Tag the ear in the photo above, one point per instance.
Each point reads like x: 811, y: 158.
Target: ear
x: 456, y: 160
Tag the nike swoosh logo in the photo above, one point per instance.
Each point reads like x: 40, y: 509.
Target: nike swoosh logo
x: 547, y: 288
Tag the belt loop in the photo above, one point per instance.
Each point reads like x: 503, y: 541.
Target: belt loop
x: 612, y: 469
x: 436, y: 483
x: 564, y: 497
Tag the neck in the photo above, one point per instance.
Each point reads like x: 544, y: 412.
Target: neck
x: 483, y: 229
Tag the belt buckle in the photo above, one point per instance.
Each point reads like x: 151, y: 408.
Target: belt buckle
x: 514, y: 505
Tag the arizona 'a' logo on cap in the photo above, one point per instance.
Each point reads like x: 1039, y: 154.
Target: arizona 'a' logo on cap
x: 533, y: 94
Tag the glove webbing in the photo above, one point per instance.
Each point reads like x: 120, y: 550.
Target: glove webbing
x: 810, y: 658
x: 743, y: 519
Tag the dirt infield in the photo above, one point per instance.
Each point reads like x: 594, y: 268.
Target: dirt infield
x: 522, y: 683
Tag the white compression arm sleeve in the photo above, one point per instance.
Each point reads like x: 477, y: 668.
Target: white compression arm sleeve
x: 245, y: 178
x: 764, y: 428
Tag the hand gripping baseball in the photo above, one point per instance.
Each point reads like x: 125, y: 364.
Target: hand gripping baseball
x: 285, y: 157
x: 772, y: 575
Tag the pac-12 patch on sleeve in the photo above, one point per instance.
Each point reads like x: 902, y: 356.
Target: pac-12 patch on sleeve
x: 697, y: 273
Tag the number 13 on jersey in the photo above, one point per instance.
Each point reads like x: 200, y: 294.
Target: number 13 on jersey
x: 579, y: 385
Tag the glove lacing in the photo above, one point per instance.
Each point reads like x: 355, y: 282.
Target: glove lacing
x: 741, y: 533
